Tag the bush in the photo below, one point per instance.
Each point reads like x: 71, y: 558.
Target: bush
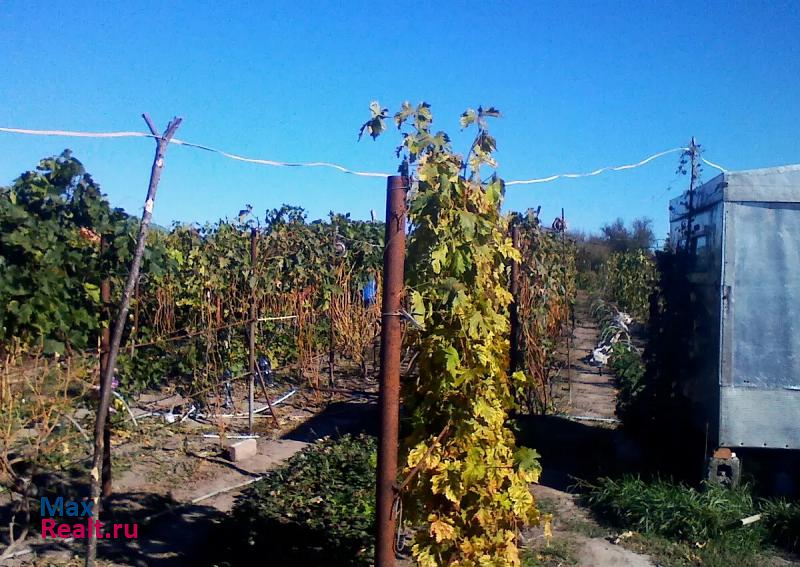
x: 629, y: 372
x: 629, y: 280
x: 316, y: 510
x: 782, y: 519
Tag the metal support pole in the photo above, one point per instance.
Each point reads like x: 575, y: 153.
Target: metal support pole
x: 389, y: 389
x: 252, y: 333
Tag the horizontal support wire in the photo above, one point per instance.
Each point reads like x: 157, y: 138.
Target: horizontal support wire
x: 343, y: 169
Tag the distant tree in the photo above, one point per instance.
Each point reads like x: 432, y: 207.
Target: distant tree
x: 595, y: 249
x: 642, y: 233
x: 639, y: 236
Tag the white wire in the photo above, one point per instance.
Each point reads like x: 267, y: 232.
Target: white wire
x: 273, y: 163
x: 281, y: 163
x: 73, y: 134
x: 712, y: 164
x: 596, y: 171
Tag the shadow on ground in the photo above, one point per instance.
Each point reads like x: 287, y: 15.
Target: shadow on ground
x: 339, y: 418
x: 572, y: 450
x: 172, y: 539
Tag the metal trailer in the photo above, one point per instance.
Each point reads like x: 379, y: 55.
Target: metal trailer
x: 743, y: 232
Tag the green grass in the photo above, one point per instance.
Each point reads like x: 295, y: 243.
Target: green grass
x: 667, y: 552
x: 560, y: 552
x: 705, y: 520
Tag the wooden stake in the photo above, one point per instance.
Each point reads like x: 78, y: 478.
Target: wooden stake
x: 162, y: 143
x: 252, y: 333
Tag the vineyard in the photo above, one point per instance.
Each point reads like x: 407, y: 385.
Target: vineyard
x: 310, y: 294
x: 234, y: 374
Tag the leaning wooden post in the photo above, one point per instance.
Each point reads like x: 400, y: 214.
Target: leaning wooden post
x: 105, y: 346
x: 389, y: 386
x: 252, y: 333
x: 162, y: 143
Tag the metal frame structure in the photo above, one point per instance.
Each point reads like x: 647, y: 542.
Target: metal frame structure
x: 742, y: 231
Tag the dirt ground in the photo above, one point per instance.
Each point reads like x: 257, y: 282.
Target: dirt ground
x: 580, y: 442
x: 177, y: 484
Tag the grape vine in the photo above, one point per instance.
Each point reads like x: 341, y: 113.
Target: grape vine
x: 469, y: 492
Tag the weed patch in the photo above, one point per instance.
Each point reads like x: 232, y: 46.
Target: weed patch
x: 707, y: 519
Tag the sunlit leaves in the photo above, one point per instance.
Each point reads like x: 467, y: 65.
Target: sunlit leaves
x: 377, y: 123
x: 468, y: 488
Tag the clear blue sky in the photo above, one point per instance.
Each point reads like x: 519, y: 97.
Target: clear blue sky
x: 581, y: 85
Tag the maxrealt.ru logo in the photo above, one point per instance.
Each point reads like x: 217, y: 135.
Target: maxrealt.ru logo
x: 79, y: 510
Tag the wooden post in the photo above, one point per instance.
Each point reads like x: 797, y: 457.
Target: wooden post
x: 105, y: 344
x: 162, y: 143
x: 252, y: 333
x: 566, y: 303
x: 331, y: 332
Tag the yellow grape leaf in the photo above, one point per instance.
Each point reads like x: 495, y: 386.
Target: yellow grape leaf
x: 442, y: 531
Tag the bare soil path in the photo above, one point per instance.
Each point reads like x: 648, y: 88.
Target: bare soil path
x: 593, y: 391
x: 582, y: 442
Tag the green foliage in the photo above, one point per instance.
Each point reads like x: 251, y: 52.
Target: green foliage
x: 594, y: 249
x: 469, y: 495
x: 196, y: 284
x: 50, y: 257
x: 625, y: 360
x: 629, y: 280
x: 782, y: 519
x: 318, y: 509
x: 205, y: 288
x: 629, y: 373
x: 557, y: 553
x: 709, y: 516
x: 677, y: 511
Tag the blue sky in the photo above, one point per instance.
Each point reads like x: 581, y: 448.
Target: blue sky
x: 581, y: 85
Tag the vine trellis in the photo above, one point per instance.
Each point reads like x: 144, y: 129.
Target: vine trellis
x: 469, y: 493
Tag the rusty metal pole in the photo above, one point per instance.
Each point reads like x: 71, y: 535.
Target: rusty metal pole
x: 252, y: 333
x: 514, y: 311
x: 389, y: 389
x: 105, y: 346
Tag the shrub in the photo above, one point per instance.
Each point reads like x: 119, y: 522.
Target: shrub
x: 782, y: 519
x: 629, y: 371
x: 629, y: 280
x: 316, y: 510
